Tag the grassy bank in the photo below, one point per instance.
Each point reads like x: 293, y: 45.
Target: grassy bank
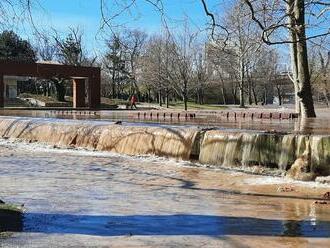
x: 195, y: 106
x: 11, y: 219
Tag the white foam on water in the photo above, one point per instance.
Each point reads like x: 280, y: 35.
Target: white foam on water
x: 40, y: 148
x: 268, y: 180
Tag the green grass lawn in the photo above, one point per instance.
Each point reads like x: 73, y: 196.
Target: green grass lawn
x: 10, y: 207
x: 196, y: 106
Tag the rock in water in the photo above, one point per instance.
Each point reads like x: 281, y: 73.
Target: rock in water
x: 300, y: 170
x: 2, y: 202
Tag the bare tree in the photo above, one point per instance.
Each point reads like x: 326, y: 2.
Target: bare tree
x: 46, y: 47
x: 155, y: 67
x: 70, y: 50
x: 320, y: 69
x: 134, y: 44
x: 293, y: 17
x: 122, y: 58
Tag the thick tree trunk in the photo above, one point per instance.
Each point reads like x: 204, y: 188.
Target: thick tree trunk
x: 305, y: 90
x: 304, y: 104
x: 293, y: 53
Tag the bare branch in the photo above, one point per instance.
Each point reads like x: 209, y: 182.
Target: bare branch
x: 214, y: 23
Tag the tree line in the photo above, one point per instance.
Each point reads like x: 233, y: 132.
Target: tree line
x: 243, y: 59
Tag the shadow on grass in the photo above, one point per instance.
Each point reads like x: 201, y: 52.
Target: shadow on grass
x: 11, y: 219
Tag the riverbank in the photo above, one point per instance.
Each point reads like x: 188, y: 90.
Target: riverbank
x: 11, y: 220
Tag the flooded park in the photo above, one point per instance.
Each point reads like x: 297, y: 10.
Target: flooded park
x: 98, y: 182
x: 153, y: 123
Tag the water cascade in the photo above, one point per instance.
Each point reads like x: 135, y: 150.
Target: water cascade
x: 274, y: 150
x: 216, y: 147
x: 131, y: 140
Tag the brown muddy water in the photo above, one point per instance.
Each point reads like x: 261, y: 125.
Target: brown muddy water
x: 79, y: 198
x: 222, y: 147
x: 319, y: 126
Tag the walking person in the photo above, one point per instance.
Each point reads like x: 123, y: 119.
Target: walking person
x: 133, y: 101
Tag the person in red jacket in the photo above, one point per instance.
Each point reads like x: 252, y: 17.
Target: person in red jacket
x: 133, y: 102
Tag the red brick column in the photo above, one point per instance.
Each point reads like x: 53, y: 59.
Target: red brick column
x: 2, y: 87
x: 94, y: 90
x: 78, y: 93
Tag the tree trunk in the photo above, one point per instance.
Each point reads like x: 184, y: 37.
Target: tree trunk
x: 113, y: 84
x: 234, y: 93
x: 160, y: 100
x: 255, y: 98
x: 149, y: 93
x: 185, y: 101
x: 250, y: 92
x: 279, y: 95
x: 305, y: 90
x: 167, y: 99
x: 326, y: 96
x: 293, y: 53
x: 185, y: 95
x: 299, y: 59
x: 265, y: 94
x: 223, y: 92
x: 241, y: 84
x: 197, y: 97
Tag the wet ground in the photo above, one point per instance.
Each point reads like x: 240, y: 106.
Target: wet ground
x: 76, y: 198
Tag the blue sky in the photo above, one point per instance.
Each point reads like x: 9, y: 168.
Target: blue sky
x: 60, y: 14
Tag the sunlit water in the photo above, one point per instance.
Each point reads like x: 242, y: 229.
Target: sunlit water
x: 85, y: 198
x: 203, y: 119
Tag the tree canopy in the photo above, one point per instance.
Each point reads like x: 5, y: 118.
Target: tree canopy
x: 12, y: 47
